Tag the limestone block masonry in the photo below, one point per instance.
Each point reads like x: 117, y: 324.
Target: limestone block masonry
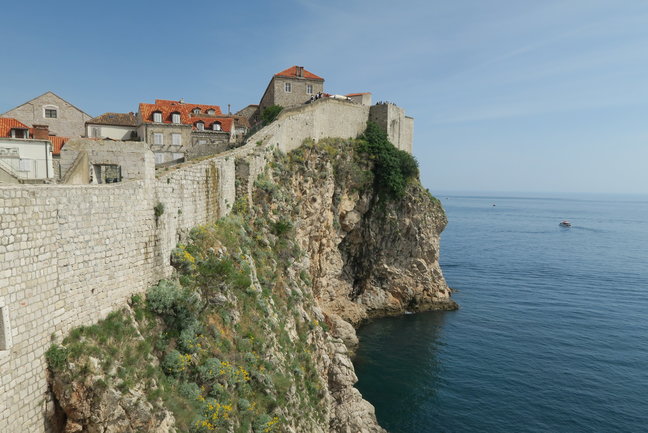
x: 70, y: 254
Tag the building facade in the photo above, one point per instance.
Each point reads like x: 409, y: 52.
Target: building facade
x: 113, y: 126
x: 22, y: 158
x: 62, y: 118
x: 294, y: 86
x: 177, y: 129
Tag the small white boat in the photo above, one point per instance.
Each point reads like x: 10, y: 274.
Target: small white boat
x: 565, y: 223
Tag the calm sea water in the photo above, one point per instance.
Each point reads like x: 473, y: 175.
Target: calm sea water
x: 552, y: 334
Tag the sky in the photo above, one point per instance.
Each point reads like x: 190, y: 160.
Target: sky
x: 507, y: 95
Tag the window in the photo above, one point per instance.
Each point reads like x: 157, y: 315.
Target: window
x: 287, y: 87
x: 5, y: 329
x: 309, y: 89
x: 202, y: 141
x: 196, y: 110
x: 211, y: 111
x: 158, y: 138
x: 96, y: 131
x: 159, y: 157
x: 216, y: 126
x: 50, y: 113
x: 200, y: 126
x: 177, y: 156
x: 157, y: 117
x: 175, y: 118
x: 176, y: 139
x: 106, y: 173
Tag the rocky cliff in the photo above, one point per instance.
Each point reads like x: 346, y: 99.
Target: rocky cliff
x: 255, y: 333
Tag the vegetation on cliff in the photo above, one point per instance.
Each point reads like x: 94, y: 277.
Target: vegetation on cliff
x: 244, y: 338
x: 227, y: 346
x: 393, y: 167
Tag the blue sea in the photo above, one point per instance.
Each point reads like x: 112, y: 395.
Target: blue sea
x: 552, y: 333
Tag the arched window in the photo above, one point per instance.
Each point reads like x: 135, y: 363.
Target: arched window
x: 216, y: 126
x: 157, y: 116
x: 200, y: 126
x: 211, y: 111
x: 175, y: 117
x: 50, y: 111
x: 196, y: 110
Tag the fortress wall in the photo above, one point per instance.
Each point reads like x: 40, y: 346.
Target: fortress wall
x: 192, y: 195
x: 320, y: 119
x: 399, y: 128
x: 70, y: 254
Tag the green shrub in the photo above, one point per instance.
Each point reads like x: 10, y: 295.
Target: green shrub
x: 175, y: 363
x: 189, y: 390
x: 162, y: 299
x: 393, y: 168
x: 56, y: 357
x: 281, y: 227
x: 208, y: 371
x: 270, y: 113
x: 158, y: 209
x: 178, y: 307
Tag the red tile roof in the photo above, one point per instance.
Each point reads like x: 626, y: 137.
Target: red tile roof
x: 226, y: 122
x: 7, y: 124
x: 57, y: 143
x: 292, y: 73
x: 167, y: 108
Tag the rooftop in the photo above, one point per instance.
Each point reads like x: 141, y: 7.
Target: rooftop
x: 293, y: 72
x: 190, y: 114
x: 115, y: 119
x: 7, y: 124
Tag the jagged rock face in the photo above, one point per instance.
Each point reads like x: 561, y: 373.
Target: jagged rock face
x: 90, y: 408
x: 370, y: 256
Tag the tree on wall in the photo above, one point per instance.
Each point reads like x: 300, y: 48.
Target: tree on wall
x: 270, y: 113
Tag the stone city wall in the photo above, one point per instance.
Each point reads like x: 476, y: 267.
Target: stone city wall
x: 70, y: 254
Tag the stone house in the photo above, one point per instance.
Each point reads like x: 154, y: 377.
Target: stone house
x: 62, y: 118
x: 177, y: 129
x: 113, y: 126
x: 23, y: 158
x: 294, y: 86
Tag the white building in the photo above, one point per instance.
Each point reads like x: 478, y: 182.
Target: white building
x: 22, y: 158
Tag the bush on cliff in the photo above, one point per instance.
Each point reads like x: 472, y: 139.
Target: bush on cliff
x: 393, y: 168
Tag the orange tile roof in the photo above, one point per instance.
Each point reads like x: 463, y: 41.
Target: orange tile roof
x: 57, y: 143
x: 226, y: 122
x: 167, y: 107
x: 7, y: 124
x: 292, y: 73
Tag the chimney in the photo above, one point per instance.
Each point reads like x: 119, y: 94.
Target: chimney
x: 41, y: 132
x: 300, y: 71
x: 229, y: 109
